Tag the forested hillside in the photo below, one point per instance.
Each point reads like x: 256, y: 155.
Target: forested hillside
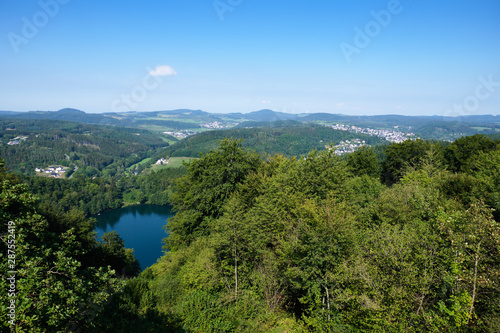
x: 427, y: 127
x: 56, y: 276
x: 323, y: 244
x: 94, y: 150
x: 94, y: 195
x: 406, y: 239
x: 288, y: 138
x: 100, y: 163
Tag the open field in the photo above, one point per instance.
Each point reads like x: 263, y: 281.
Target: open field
x: 133, y: 166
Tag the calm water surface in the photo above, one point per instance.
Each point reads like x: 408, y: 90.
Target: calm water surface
x: 140, y: 227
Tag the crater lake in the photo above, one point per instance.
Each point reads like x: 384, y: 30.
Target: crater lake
x: 141, y: 228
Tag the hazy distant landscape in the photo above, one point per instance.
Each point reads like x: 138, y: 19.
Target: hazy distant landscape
x: 97, y: 143
x: 250, y: 166
x: 189, y: 122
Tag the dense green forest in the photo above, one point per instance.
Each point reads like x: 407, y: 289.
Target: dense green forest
x: 325, y: 244
x: 289, y: 138
x: 89, y: 150
x: 428, y: 127
x: 97, y: 194
x: 110, y: 167
x: 100, y: 162
x: 56, y: 276
x: 405, y: 238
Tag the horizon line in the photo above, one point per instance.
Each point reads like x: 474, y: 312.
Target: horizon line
x: 249, y: 112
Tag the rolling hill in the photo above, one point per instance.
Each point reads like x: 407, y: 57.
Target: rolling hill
x: 194, y: 121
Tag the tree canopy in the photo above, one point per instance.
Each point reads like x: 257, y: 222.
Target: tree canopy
x: 404, y: 238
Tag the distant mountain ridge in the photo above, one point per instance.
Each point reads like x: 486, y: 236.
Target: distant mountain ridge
x: 260, y: 115
x: 437, y: 127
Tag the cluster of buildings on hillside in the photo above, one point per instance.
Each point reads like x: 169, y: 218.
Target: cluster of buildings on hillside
x: 53, y: 171
x: 214, y: 125
x: 181, y: 134
x: 217, y: 125
x: 347, y: 146
x: 162, y: 161
x: 17, y: 140
x: 390, y: 135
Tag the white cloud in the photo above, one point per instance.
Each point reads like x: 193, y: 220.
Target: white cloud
x: 163, y: 71
x: 266, y: 102
x: 339, y: 105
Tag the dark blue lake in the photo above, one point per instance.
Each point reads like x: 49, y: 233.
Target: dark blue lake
x: 141, y: 227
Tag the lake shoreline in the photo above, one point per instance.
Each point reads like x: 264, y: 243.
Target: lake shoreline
x: 140, y: 226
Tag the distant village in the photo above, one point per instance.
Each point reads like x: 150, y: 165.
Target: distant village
x: 218, y: 125
x: 347, y: 146
x: 213, y: 125
x: 390, y: 135
x: 181, y: 134
x: 53, y: 171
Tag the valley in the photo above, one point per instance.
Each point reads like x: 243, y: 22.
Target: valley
x: 261, y: 210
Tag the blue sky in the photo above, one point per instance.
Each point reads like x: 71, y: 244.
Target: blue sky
x: 417, y: 57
